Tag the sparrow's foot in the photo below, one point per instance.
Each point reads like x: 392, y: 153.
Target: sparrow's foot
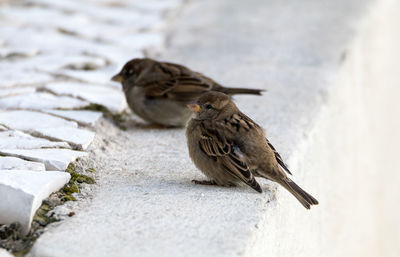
x: 204, y: 182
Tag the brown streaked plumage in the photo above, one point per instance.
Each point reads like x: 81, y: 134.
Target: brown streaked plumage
x: 159, y: 91
x: 230, y: 148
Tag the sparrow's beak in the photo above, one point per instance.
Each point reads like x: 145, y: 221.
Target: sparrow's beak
x: 118, y: 78
x: 194, y: 107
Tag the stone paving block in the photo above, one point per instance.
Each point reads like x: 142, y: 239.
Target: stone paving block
x: 156, y: 5
x: 109, y: 97
x: 104, y: 14
x: 14, y: 53
x: 22, y: 192
x: 101, y: 76
x: 40, y: 101
x: 76, y: 23
x: 5, y: 253
x: 12, y: 77
x: 14, y: 163
x: 29, y: 121
x: 16, y: 91
x: 56, y: 61
x: 71, y: 45
x: 53, y: 159
x: 79, y: 138
x: 139, y: 41
x: 82, y: 117
x: 12, y: 139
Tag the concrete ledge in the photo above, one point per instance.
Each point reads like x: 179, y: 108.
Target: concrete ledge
x: 331, y: 69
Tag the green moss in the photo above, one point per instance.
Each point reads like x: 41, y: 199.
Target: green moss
x: 97, y: 108
x: 21, y: 253
x: 91, y: 170
x: 42, y: 217
x: 76, y: 177
x: 66, y: 198
x: 85, y: 179
x: 71, y: 188
x: 45, y: 207
x: 71, y: 168
x: 11, y: 238
x: 90, y: 66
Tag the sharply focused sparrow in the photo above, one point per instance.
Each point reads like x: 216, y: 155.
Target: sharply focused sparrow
x: 159, y: 91
x: 230, y: 148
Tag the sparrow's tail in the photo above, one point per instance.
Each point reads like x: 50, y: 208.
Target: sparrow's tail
x: 234, y: 91
x: 304, y: 198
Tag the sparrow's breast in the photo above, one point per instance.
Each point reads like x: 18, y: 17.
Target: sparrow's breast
x: 157, y: 110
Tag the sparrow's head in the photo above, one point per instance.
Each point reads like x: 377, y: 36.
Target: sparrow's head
x: 213, y: 105
x: 132, y: 70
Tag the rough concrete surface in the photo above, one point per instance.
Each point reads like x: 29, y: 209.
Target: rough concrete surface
x: 322, y: 63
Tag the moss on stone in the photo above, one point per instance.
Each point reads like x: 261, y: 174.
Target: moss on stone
x: 95, y: 107
x: 71, y: 168
x: 76, y: 177
x: 11, y: 238
x: 21, y: 253
x: 85, y: 179
x: 20, y: 245
x: 91, y: 170
x: 66, y: 198
x: 71, y: 188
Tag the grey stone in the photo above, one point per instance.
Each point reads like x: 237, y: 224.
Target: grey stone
x: 40, y: 101
x: 13, y: 163
x: 11, y: 77
x: 109, y: 97
x: 53, y: 159
x: 16, y: 91
x: 12, y: 139
x: 22, y: 193
x: 5, y: 253
x: 82, y: 117
x: 79, y: 138
x: 47, y: 126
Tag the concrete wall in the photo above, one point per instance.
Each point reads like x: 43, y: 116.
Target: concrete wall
x: 349, y: 141
x: 351, y: 155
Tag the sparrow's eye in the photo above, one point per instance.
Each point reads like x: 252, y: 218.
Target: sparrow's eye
x: 130, y: 71
x: 208, y: 106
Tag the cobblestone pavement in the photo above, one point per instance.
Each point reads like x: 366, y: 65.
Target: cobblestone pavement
x: 56, y: 59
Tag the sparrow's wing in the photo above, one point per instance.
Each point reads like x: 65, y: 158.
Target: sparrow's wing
x: 178, y: 83
x: 242, y: 122
x: 278, y: 158
x: 228, y: 155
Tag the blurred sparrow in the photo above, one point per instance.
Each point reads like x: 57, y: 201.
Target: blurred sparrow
x: 159, y: 91
x: 230, y: 148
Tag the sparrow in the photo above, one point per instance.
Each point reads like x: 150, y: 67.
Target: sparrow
x: 230, y: 148
x: 159, y: 91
